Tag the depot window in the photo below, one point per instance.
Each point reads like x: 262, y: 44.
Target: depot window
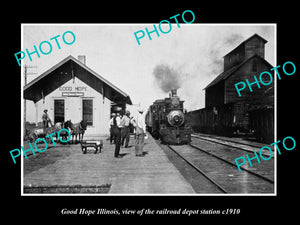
x: 87, y: 111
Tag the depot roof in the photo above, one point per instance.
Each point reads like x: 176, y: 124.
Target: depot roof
x: 68, y: 69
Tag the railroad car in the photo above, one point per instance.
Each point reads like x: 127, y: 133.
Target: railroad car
x: 165, y: 120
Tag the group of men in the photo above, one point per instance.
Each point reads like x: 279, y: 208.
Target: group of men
x: 120, y: 131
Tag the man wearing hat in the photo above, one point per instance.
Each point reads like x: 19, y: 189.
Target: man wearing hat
x: 116, y: 130
x: 125, y: 128
x: 140, y: 127
x: 111, y: 123
x: 46, y: 119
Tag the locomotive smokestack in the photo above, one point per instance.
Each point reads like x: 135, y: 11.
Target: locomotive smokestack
x: 173, y: 92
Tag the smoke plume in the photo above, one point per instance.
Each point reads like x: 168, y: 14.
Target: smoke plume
x: 195, y: 67
x: 166, y: 78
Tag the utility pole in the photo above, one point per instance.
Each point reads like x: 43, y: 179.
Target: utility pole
x: 26, y: 73
x: 25, y: 79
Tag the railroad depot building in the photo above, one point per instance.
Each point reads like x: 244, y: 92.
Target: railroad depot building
x: 72, y: 91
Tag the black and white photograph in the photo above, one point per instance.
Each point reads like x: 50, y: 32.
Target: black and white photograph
x: 141, y: 116
x: 150, y: 111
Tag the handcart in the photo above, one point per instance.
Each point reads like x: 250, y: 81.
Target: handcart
x: 97, y: 144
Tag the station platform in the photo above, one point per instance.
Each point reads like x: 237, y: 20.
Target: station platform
x: 66, y: 166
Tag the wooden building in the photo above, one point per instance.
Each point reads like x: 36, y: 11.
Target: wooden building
x: 225, y: 111
x: 242, y: 63
x: 72, y: 91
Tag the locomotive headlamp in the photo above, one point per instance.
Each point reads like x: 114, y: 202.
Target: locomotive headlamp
x: 175, y: 118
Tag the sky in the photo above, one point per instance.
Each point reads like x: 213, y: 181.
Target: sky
x: 191, y: 56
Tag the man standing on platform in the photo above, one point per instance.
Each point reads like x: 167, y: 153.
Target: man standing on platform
x: 140, y: 126
x: 125, y: 122
x: 117, y: 133
x: 111, y: 124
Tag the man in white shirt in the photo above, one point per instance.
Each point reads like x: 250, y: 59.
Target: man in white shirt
x: 140, y: 126
x: 111, y: 123
x: 125, y: 121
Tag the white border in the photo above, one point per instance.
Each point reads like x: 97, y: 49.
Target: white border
x: 142, y: 24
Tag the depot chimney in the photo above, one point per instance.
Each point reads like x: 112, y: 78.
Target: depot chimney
x: 81, y: 58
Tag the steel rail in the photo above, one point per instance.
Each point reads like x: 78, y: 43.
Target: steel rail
x: 199, y: 170
x: 227, y: 145
x: 221, y: 139
x: 233, y: 164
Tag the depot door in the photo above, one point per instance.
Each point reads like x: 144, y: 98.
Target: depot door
x: 59, y: 110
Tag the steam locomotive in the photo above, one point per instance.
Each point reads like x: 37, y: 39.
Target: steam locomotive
x: 165, y: 120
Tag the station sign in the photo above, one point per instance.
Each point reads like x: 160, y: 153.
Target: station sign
x: 69, y: 91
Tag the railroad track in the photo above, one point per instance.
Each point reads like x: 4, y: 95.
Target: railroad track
x: 233, y: 164
x: 230, y: 153
x: 255, y: 144
x: 237, y: 145
x: 199, y: 170
x: 222, y: 173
